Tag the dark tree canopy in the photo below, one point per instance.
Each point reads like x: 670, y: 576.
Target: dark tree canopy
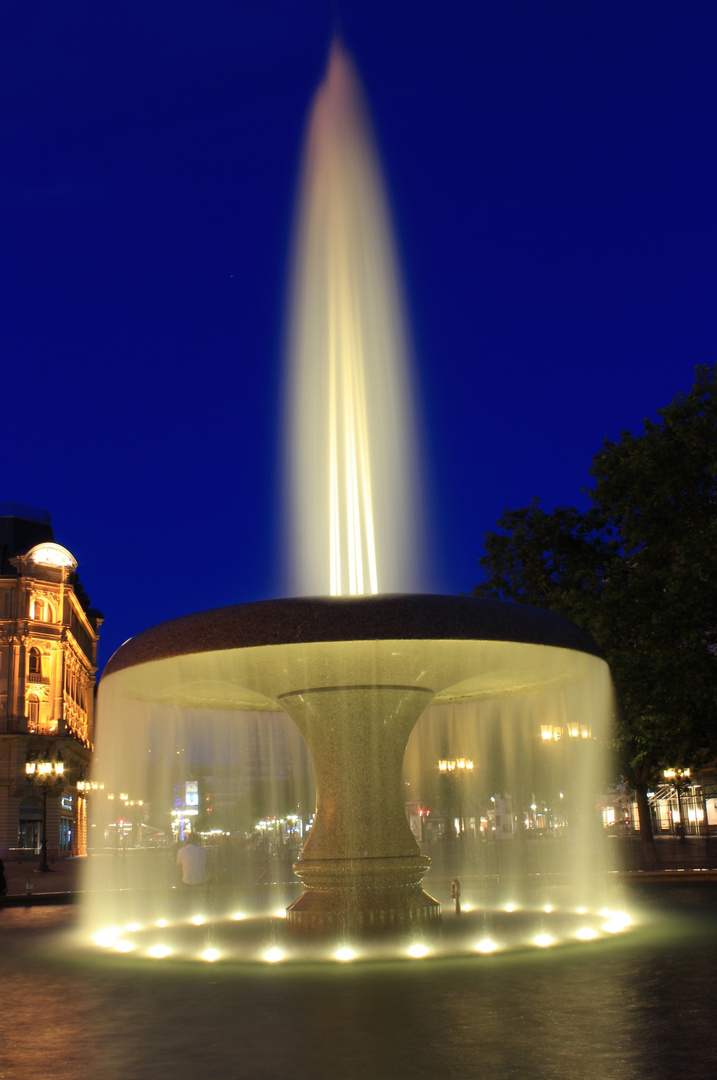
x: 638, y: 570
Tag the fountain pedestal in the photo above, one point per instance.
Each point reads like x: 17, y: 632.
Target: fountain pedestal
x: 361, y: 864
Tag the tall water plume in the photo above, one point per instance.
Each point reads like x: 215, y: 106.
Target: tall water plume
x: 354, y: 517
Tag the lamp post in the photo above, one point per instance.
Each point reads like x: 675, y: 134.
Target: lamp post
x: 678, y: 777
x: 44, y: 773
x: 456, y: 767
x: 84, y: 789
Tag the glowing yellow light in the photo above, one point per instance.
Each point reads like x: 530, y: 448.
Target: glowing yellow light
x: 272, y: 956
x: 161, y: 922
x: 467, y: 907
x: 582, y: 911
x: 106, y: 937
x: 543, y: 940
x: 280, y: 914
x: 211, y: 955
x: 53, y: 555
x: 197, y: 920
x: 486, y: 946
x: 132, y: 927
x: 548, y: 908
x: 605, y: 913
x: 158, y: 952
x: 238, y: 916
x: 345, y: 954
x: 618, y: 921
x: 586, y: 933
x: 124, y: 946
x: 510, y: 907
x: 417, y: 951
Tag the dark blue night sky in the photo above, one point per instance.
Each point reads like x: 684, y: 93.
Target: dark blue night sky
x: 553, y: 173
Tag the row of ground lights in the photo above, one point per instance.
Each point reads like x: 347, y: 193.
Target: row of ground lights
x: 112, y: 937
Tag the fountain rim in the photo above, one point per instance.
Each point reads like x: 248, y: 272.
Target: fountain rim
x: 303, y: 620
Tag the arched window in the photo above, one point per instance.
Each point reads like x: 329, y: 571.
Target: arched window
x: 34, y: 665
x: 38, y: 610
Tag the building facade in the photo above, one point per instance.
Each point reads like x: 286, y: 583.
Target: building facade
x: 48, y: 653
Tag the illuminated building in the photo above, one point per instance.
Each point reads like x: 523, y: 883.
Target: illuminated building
x: 48, y: 650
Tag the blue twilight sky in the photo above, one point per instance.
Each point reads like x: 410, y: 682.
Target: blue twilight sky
x: 552, y: 168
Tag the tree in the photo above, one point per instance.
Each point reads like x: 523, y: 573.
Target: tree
x: 637, y: 570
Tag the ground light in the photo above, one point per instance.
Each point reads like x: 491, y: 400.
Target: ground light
x: 273, y: 956
x: 418, y: 951
x: 543, y: 940
x: 616, y: 921
x: 486, y: 946
x: 107, y: 937
x: 345, y: 954
x: 159, y: 952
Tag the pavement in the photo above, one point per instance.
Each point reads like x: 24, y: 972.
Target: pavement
x: 62, y: 880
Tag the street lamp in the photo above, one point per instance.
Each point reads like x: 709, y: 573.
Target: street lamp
x: 44, y: 774
x: 678, y: 777
x: 456, y: 767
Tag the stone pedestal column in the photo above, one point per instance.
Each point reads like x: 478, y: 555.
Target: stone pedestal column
x: 361, y: 864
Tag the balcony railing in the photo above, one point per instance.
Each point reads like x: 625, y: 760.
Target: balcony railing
x: 27, y: 513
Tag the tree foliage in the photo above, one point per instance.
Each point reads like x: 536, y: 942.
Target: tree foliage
x: 638, y: 570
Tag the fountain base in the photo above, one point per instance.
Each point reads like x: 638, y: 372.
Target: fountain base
x: 359, y: 896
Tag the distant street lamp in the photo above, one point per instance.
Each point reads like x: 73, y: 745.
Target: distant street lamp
x: 455, y: 767
x: 44, y: 774
x: 678, y: 777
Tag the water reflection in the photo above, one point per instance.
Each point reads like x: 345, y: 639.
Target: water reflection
x: 639, y: 1007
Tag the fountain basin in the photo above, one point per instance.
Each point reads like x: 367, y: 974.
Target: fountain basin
x: 355, y: 675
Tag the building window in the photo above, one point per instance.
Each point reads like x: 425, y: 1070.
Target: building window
x: 33, y: 714
x: 38, y: 610
x: 65, y: 834
x: 35, y: 667
x: 6, y: 602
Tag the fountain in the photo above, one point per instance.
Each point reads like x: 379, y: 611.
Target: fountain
x: 359, y: 669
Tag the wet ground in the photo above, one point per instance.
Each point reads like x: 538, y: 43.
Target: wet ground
x: 638, y: 1006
